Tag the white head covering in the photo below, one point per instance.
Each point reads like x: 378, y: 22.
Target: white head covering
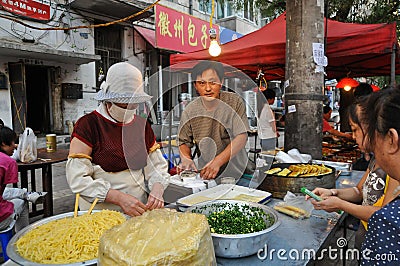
x: 123, y: 84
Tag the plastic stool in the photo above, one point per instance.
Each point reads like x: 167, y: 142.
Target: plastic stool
x: 5, y: 237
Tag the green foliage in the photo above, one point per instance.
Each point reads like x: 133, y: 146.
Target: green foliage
x: 360, y: 11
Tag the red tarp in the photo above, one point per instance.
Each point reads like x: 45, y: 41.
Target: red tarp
x: 361, y: 49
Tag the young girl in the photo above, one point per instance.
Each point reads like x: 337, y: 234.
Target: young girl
x: 13, y: 201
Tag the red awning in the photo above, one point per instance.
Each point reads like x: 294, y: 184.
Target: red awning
x: 361, y: 49
x: 148, y: 34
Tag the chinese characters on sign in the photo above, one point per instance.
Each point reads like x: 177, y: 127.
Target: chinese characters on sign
x: 319, y: 54
x: 28, y: 8
x: 319, y: 57
x: 181, y: 32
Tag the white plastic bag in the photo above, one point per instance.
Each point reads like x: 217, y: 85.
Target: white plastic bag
x: 27, y: 150
x: 283, y: 157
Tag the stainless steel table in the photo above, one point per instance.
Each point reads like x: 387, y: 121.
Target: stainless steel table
x: 295, y: 241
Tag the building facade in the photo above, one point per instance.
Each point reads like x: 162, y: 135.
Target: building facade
x: 54, y: 54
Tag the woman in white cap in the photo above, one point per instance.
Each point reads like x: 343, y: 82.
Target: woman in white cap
x: 114, y: 156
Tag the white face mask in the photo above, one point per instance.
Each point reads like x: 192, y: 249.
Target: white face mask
x: 120, y: 114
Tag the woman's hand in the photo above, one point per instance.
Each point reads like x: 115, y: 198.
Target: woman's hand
x: 329, y: 204
x: 155, y: 199
x: 131, y: 205
x: 322, y: 192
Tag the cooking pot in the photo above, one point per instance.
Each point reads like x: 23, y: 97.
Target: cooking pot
x: 279, y: 185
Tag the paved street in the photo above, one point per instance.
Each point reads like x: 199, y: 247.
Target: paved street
x: 63, y: 198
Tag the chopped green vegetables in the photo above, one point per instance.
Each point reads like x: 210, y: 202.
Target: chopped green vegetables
x: 232, y: 219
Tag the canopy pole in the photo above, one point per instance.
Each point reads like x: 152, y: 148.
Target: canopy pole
x: 393, y: 67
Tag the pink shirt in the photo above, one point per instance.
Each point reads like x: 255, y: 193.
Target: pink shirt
x: 8, y: 175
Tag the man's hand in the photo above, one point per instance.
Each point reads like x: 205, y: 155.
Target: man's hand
x: 210, y: 170
x: 185, y: 165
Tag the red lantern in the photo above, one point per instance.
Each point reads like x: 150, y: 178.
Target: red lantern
x: 347, y: 84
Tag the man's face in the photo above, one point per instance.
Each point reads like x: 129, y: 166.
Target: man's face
x: 327, y: 116
x: 208, y: 85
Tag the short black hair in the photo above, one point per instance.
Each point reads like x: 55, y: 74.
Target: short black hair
x: 7, y: 135
x: 326, y: 109
x: 269, y: 94
x: 204, y: 65
x: 363, y: 89
x: 1, y: 123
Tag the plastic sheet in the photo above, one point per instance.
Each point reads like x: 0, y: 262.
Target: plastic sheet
x: 298, y: 207
x: 159, y: 237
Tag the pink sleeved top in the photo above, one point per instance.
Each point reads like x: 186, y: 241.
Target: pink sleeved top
x: 8, y: 175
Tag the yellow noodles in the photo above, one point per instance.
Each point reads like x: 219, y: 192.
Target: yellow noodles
x: 67, y: 240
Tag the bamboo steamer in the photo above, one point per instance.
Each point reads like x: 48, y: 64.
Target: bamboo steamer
x: 279, y: 185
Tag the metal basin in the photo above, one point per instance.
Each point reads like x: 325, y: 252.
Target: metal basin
x: 240, y: 245
x: 17, y: 258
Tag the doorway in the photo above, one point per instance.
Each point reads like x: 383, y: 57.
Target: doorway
x: 37, y: 98
x: 31, y: 96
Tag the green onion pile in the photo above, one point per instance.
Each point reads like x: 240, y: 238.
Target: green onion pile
x: 235, y: 219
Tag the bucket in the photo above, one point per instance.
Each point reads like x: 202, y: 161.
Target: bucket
x: 51, y: 142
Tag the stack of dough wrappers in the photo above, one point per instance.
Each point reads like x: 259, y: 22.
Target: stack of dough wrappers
x: 159, y: 237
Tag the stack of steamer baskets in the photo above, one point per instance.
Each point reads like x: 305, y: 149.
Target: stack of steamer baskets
x: 292, y: 177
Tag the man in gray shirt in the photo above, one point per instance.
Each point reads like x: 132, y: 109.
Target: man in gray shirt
x: 216, y: 124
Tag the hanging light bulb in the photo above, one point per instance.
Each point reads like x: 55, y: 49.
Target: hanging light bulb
x: 347, y: 88
x: 214, y: 49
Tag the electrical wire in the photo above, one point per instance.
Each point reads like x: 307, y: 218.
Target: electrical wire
x: 11, y: 33
x: 212, y: 13
x: 87, y: 26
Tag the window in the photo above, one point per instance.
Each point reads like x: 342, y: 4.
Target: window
x: 248, y: 10
x: 229, y: 10
x: 220, y: 9
x: 225, y: 8
x: 205, y: 6
x: 108, y: 46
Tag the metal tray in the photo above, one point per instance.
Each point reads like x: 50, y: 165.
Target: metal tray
x: 14, y: 255
x: 225, y: 192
